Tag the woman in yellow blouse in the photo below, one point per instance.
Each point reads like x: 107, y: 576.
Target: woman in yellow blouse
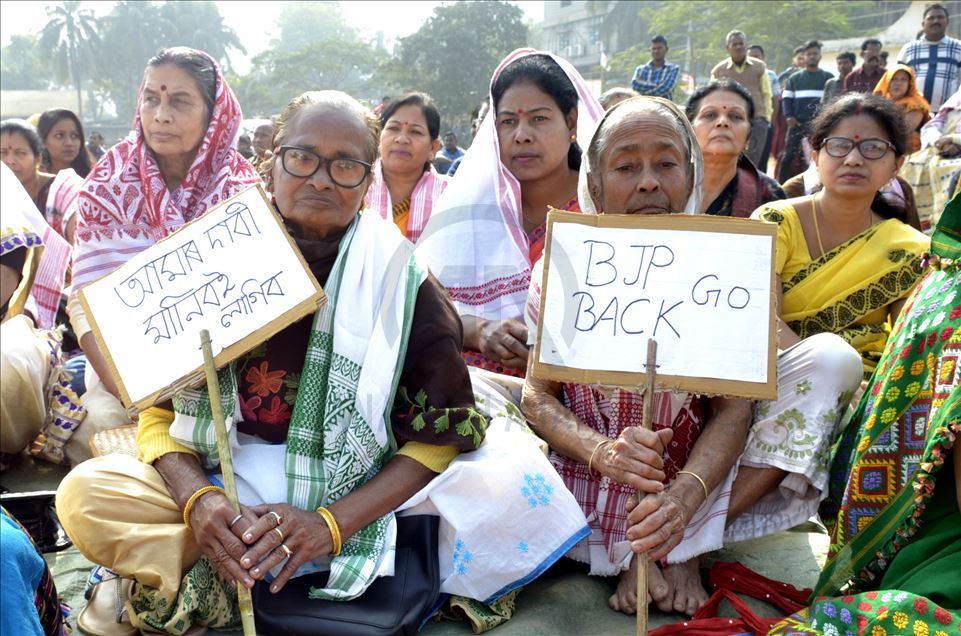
x: 847, y: 256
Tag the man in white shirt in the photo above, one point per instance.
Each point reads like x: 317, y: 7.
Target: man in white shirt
x: 935, y: 58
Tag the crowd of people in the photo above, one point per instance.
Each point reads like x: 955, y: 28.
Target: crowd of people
x: 922, y: 81
x: 345, y: 436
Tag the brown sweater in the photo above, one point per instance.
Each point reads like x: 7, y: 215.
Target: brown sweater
x: 749, y: 77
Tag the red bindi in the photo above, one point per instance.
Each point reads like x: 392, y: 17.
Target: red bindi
x: 857, y: 137
x: 520, y: 111
x: 163, y: 87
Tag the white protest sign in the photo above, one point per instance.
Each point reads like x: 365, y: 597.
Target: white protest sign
x: 234, y: 271
x: 702, y: 287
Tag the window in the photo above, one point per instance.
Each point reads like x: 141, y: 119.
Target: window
x: 594, y: 30
x: 565, y: 3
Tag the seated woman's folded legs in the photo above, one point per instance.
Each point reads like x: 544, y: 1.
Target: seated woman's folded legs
x: 119, y: 514
x: 24, y: 369
x: 782, y: 474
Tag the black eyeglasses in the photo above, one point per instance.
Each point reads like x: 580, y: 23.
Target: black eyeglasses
x: 840, y: 147
x: 303, y: 163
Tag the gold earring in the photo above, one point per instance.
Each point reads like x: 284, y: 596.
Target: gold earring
x: 573, y: 138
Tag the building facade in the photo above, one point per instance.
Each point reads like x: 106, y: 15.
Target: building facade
x: 574, y: 30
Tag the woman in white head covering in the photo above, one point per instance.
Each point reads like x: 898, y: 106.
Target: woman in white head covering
x: 645, y: 159
x: 488, y: 227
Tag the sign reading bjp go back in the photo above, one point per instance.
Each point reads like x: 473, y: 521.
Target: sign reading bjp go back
x: 234, y: 271
x: 704, y: 288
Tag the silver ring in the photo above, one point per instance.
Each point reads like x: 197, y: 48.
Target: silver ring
x: 236, y: 519
x: 287, y: 551
x: 280, y: 532
x: 280, y: 519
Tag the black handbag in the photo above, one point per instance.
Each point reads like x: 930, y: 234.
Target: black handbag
x: 391, y: 605
x: 36, y: 511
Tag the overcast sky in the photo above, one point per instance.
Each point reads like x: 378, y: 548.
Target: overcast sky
x: 249, y: 18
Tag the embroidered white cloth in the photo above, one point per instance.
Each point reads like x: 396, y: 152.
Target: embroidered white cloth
x: 816, y: 378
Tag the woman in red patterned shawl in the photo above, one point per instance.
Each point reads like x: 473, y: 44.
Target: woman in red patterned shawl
x: 178, y: 162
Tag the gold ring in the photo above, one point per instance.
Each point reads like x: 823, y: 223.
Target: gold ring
x: 280, y: 519
x: 287, y: 551
x: 280, y: 533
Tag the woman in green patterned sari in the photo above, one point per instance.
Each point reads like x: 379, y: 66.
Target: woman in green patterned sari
x: 893, y: 509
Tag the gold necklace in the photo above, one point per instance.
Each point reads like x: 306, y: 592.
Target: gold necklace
x: 817, y: 231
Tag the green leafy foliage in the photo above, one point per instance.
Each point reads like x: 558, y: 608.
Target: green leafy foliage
x: 22, y: 66
x: 454, y: 54
x: 777, y: 25
x: 134, y: 31
x: 303, y: 23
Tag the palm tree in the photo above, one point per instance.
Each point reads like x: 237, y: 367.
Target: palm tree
x: 71, y: 35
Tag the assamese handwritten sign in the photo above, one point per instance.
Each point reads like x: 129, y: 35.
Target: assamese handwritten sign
x: 702, y: 287
x: 234, y: 271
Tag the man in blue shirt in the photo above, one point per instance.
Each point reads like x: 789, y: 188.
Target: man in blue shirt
x: 658, y: 77
x: 448, y: 154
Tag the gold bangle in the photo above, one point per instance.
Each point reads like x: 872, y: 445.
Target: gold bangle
x: 193, y: 499
x: 331, y: 522
x: 590, y: 462
x: 697, y: 477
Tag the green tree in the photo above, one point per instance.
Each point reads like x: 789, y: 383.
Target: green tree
x: 199, y: 25
x: 301, y: 24
x: 278, y: 75
x: 454, y: 54
x: 778, y: 26
x: 22, y: 66
x: 131, y: 43
x: 71, y: 36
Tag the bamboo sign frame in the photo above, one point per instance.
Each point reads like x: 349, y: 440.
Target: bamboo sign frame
x: 149, y: 309
x: 606, y: 288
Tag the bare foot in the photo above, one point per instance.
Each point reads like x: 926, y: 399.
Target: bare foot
x: 624, y: 598
x: 686, y: 593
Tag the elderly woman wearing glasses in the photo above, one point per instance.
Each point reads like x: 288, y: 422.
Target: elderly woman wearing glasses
x: 846, y: 255
x: 342, y: 418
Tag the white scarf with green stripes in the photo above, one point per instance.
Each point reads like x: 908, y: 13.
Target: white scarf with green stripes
x: 339, y: 435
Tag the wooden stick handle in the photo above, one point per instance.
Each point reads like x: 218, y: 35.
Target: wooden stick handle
x: 646, y: 422
x: 244, y: 599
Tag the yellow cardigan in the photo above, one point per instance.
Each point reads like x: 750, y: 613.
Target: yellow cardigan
x: 154, y: 441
